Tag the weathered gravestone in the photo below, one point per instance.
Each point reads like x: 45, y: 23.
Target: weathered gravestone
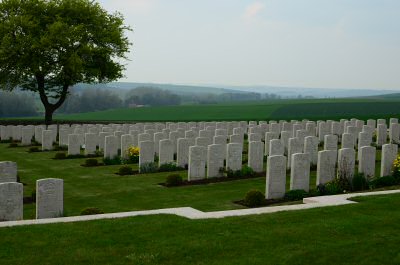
x: 389, y: 154
x: 215, y: 160
x: 300, y: 172
x: 74, y: 146
x: 276, y: 148
x: 11, y: 201
x: 182, y: 155
x: 49, y: 198
x: 146, y: 153
x: 8, y: 171
x: 111, y: 147
x: 367, y: 156
x: 197, y: 163
x: 234, y: 156
x: 346, y: 163
x: 47, y: 140
x: 91, y: 140
x: 256, y: 156
x: 276, y: 177
x: 326, y: 167
x: 311, y: 148
x: 166, y: 152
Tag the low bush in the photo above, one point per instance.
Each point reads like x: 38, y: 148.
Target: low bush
x: 359, y: 182
x: 169, y: 167
x: 112, y: 161
x: 385, y: 181
x: 91, y: 162
x: 34, y: 149
x: 246, y: 171
x: 91, y: 211
x: 125, y: 170
x: 254, y: 198
x: 331, y: 188
x: 173, y: 180
x: 12, y: 145
x: 295, y: 195
x: 60, y: 155
x: 150, y: 167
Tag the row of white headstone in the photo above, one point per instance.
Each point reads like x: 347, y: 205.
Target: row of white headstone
x: 49, y: 195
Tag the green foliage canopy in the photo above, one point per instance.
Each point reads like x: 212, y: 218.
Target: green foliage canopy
x: 49, y: 46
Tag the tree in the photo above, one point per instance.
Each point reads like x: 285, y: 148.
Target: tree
x: 47, y: 46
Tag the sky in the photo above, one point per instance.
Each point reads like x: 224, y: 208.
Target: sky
x: 296, y: 43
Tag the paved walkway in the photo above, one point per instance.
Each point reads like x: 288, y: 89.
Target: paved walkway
x: 190, y: 213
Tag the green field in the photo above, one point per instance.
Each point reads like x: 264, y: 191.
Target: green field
x: 256, y: 110
x: 363, y: 233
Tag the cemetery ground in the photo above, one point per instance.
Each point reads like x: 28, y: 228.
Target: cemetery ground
x: 102, y: 188
x: 362, y: 233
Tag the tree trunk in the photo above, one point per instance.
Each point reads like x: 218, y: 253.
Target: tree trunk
x: 48, y: 115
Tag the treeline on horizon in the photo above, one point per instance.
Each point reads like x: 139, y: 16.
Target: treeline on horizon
x: 20, y: 103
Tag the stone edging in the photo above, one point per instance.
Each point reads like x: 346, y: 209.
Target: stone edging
x: 191, y: 213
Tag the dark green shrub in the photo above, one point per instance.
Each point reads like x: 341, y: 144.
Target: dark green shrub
x: 254, y: 198
x: 91, y: 162
x: 60, y: 148
x: 60, y: 155
x: 247, y: 171
x: 34, y: 149
x: 173, y: 180
x: 169, y: 167
x: 333, y: 187
x: 112, y: 161
x: 91, y: 211
x: 295, y: 195
x: 125, y: 170
x: 233, y: 174
x: 149, y: 168
x: 385, y: 181
x: 359, y: 182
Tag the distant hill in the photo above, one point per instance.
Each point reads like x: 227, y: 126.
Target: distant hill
x: 285, y: 92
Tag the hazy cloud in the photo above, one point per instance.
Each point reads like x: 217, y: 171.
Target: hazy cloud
x: 253, y: 10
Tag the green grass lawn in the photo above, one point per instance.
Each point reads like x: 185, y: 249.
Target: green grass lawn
x: 100, y: 187
x: 363, y: 233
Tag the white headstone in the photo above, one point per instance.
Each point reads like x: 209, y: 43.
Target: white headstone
x: 197, y: 163
x: 389, y: 154
x: 126, y: 143
x: 215, y: 160
x: 49, y: 198
x: 366, y: 165
x: 326, y: 167
x: 74, y: 146
x: 47, y: 140
x: 311, y: 148
x: 11, y: 201
x: 381, y: 135
x: 256, y: 156
x: 8, y: 171
x: 234, y: 156
x: 300, y: 172
x: 146, y: 152
x: 295, y: 146
x: 346, y: 163
x: 276, y: 148
x: 182, y: 156
x: 331, y: 142
x: 111, y: 147
x: 166, y: 152
x: 276, y: 177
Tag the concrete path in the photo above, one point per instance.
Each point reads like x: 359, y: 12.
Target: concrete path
x: 190, y: 213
